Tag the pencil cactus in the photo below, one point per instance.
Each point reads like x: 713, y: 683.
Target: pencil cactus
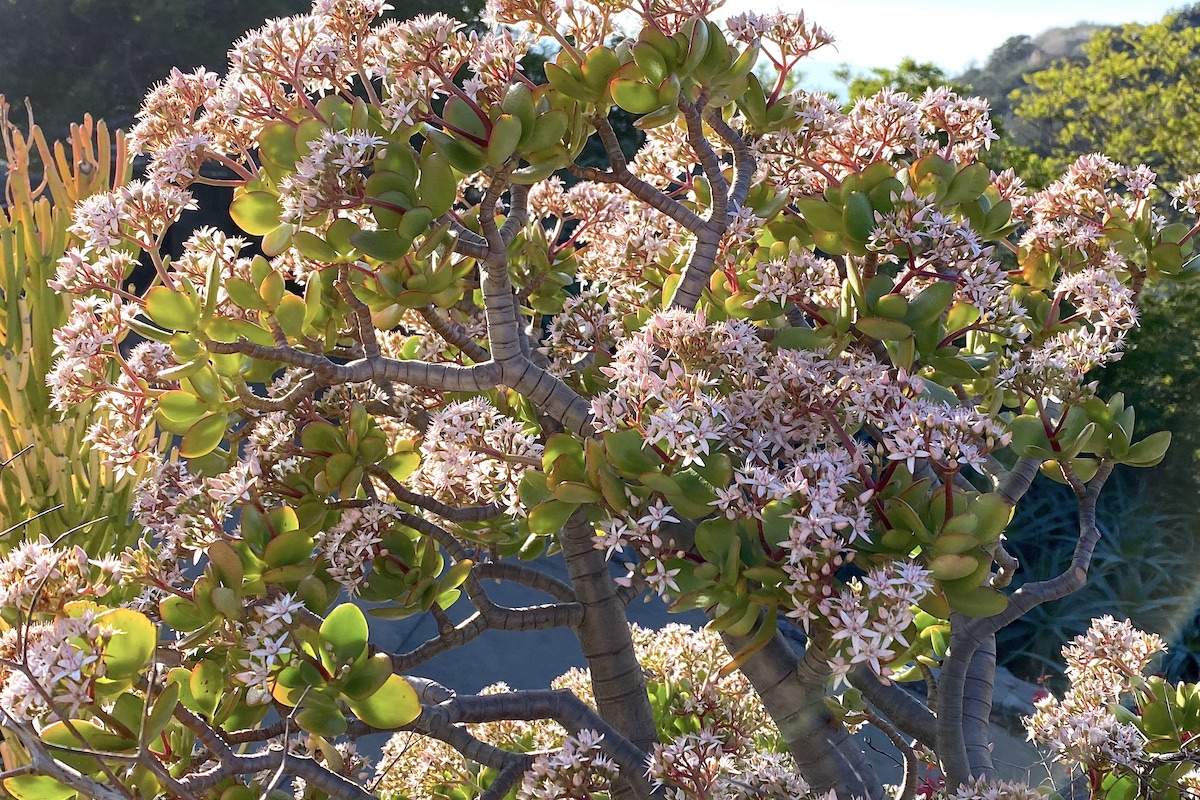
x: 52, y: 477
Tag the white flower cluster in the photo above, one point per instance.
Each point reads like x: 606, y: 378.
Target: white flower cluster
x: 785, y: 418
x: 1104, y: 663
x: 1071, y: 213
x: 1186, y: 196
x: 327, y: 174
x: 795, y: 37
x: 267, y: 641
x: 36, y: 577
x: 586, y: 328
x: 187, y: 513
x: 575, y: 771
x: 869, y: 616
x: 61, y: 661
x: 829, y: 143
x: 950, y: 437
x: 137, y: 213
x: 802, y: 277
x: 354, y: 542
x: 473, y: 454
x: 984, y: 789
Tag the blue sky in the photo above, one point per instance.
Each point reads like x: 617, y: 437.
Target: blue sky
x: 950, y: 33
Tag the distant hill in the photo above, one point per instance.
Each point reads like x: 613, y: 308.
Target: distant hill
x: 1020, y: 55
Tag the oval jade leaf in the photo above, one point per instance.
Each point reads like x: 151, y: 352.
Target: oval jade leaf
x: 345, y: 631
x: 182, y: 406
x: 132, y: 643
x: 257, y: 213
x: 395, y: 704
x: 368, y: 677
x: 401, y: 465
x: 204, y: 436
x: 312, y: 246
x: 383, y: 245
x: 952, y: 566
x: 94, y: 737
x: 325, y: 722
x: 550, y: 516
x: 633, y: 96
x: 206, y: 685
x: 171, y: 309
x: 277, y: 144
x: 37, y: 787
x: 181, y: 614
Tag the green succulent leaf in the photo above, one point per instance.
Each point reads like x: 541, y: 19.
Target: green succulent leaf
x: 345, y: 632
x: 392, y: 705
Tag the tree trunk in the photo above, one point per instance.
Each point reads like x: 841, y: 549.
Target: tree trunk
x: 617, y: 678
x: 793, y: 692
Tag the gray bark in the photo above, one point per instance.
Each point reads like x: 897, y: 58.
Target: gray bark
x: 793, y: 692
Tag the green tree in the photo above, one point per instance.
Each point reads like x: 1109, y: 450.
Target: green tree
x: 910, y: 76
x: 1134, y: 96
x: 100, y: 56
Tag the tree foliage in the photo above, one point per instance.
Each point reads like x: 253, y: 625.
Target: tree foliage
x: 774, y: 359
x: 1134, y: 96
x: 910, y: 76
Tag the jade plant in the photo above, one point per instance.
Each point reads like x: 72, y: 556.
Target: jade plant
x: 796, y: 364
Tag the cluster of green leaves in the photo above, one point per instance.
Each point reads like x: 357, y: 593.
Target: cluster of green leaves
x: 647, y: 76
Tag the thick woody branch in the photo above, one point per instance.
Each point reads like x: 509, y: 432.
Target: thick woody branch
x: 406, y: 495
x: 362, y: 316
x: 612, y: 145
x: 618, y: 682
x: 454, y: 334
x: 275, y: 760
x: 699, y: 268
x: 744, y: 164
x: 518, y: 213
x: 467, y: 242
x: 1072, y: 579
x: 523, y: 618
x: 620, y: 175
x: 549, y: 395
x: 1013, y: 485
x: 260, y: 734
x: 968, y: 635
x: 977, y: 709
x: 307, y: 387
x: 647, y: 193
x: 489, y: 616
x: 435, y: 724
x: 904, y: 710
x: 526, y: 576
x: 446, y: 377
x: 505, y: 780
x: 793, y: 694
x: 709, y: 161
x: 499, y: 303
